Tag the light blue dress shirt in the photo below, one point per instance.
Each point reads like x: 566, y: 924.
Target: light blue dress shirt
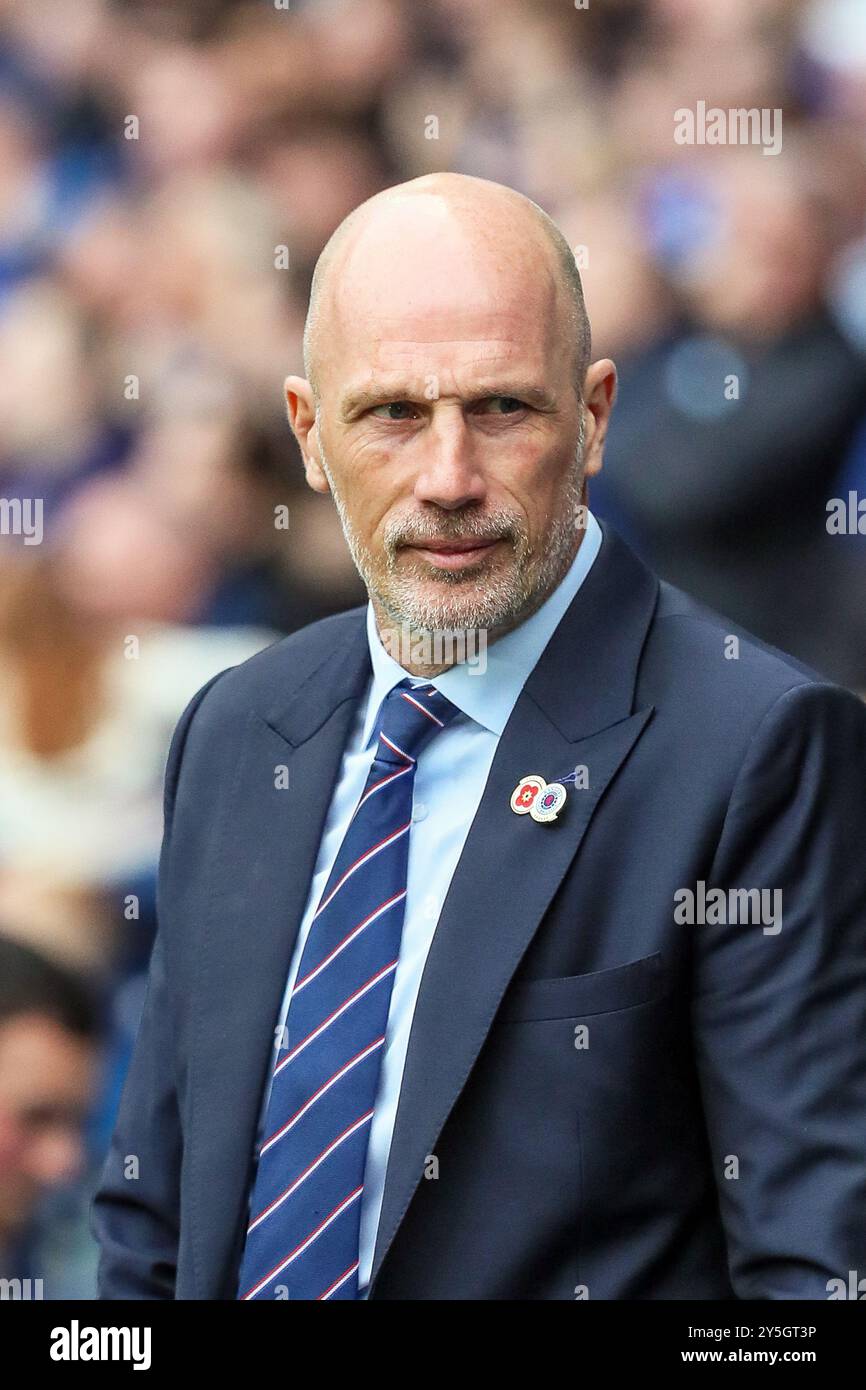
x: 449, y: 780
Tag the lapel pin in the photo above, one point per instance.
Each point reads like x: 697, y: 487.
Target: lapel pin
x: 525, y: 792
x: 540, y: 799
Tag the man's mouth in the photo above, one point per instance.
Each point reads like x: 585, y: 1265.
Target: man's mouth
x: 455, y: 554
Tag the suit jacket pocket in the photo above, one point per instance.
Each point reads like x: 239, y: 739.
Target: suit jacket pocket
x: 574, y: 996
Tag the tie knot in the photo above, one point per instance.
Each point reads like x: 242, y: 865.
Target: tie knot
x: 411, y: 715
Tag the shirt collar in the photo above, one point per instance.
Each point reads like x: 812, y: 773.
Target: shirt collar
x: 486, y: 685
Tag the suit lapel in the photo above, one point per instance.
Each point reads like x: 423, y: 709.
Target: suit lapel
x: 264, y: 858
x: 576, y: 707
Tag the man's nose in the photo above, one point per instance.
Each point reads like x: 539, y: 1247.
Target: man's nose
x: 450, y: 476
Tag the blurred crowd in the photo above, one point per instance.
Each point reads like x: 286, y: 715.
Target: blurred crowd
x: 169, y: 171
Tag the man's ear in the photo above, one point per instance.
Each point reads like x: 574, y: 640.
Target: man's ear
x: 599, y: 395
x: 301, y: 409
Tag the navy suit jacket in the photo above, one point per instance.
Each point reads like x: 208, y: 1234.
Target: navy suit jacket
x: 622, y: 1106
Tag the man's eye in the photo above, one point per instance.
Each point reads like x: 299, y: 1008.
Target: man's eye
x: 395, y: 410
x: 501, y: 405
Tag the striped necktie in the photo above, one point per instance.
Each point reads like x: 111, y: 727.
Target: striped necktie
x: 302, y: 1240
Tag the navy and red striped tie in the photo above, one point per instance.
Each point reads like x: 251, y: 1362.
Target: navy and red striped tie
x: 303, y: 1235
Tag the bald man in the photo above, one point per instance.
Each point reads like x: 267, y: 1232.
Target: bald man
x: 512, y: 937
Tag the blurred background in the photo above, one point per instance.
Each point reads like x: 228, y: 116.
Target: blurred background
x: 169, y: 171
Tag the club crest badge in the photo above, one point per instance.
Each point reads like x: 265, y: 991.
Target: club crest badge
x: 548, y: 803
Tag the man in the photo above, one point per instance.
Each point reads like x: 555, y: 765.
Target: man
x: 545, y: 979
x: 49, y: 1031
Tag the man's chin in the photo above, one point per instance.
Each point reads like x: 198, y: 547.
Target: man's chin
x: 470, y: 611
x: 480, y: 596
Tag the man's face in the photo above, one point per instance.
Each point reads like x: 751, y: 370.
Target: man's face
x: 449, y: 429
x: 46, y: 1083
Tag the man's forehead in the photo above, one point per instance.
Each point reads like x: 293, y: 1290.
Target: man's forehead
x: 414, y: 341
x: 422, y: 321
x: 437, y: 281
x: 486, y: 335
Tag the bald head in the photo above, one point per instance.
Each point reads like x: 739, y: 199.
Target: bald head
x: 432, y: 217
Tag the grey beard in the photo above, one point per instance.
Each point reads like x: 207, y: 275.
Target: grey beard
x: 502, y: 599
